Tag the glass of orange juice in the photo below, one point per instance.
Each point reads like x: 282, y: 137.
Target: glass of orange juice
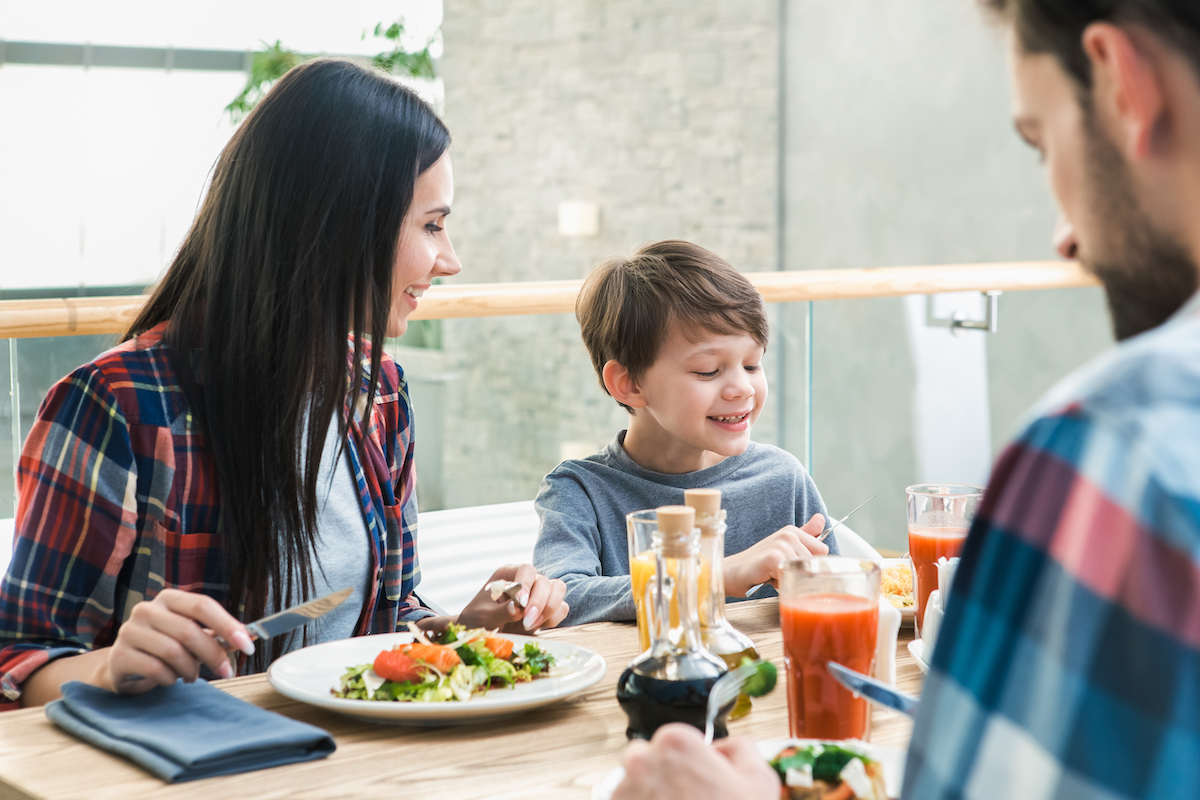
x: 828, y: 611
x: 939, y: 516
x: 640, y: 526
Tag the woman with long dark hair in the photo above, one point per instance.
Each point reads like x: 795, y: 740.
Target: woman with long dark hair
x: 249, y: 445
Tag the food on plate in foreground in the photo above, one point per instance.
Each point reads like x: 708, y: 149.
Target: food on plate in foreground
x: 461, y: 663
x: 896, y: 584
x: 828, y: 772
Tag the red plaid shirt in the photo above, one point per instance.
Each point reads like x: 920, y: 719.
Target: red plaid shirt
x: 118, y: 500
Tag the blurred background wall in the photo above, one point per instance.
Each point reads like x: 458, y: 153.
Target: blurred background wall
x: 890, y: 126
x: 782, y: 134
x: 664, y: 115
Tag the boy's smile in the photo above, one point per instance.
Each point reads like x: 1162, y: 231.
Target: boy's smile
x: 697, y: 403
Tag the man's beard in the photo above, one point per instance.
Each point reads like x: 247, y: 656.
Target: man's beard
x: 1147, y: 275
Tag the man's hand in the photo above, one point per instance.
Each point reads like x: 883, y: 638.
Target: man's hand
x: 676, y: 765
x: 760, y: 562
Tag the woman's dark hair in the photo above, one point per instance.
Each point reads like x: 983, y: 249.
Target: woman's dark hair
x: 291, y: 253
x: 1056, y: 26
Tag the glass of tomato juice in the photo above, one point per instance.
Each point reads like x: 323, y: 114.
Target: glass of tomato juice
x: 939, y: 516
x: 828, y: 611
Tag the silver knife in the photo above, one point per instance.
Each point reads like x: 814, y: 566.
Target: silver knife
x: 287, y: 620
x: 829, y: 530
x: 291, y: 618
x: 876, y: 691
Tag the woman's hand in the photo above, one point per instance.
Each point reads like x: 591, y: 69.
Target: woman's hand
x: 542, y: 598
x: 676, y: 764
x: 760, y: 562
x: 168, y: 638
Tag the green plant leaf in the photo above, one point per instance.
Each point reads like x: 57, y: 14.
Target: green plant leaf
x: 269, y: 65
x: 266, y: 67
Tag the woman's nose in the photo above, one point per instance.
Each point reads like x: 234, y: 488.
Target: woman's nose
x: 447, y: 262
x: 1064, y: 239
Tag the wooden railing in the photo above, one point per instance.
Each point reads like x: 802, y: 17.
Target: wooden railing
x: 110, y: 315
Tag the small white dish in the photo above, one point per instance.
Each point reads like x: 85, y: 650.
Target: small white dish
x: 892, y: 759
x: 309, y: 673
x: 916, y: 649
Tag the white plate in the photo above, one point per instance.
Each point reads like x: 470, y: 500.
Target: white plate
x: 916, y: 649
x: 310, y: 673
x: 892, y: 759
x: 906, y: 614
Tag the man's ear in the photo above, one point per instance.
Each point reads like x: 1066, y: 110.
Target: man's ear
x: 621, y: 385
x: 1127, y: 87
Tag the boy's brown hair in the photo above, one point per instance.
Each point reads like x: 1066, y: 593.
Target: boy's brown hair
x: 626, y: 305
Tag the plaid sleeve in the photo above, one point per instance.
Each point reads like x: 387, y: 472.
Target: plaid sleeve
x: 1069, y: 661
x: 76, y: 523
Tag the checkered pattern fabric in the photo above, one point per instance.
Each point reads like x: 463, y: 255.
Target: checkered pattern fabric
x: 1068, y: 664
x: 118, y: 500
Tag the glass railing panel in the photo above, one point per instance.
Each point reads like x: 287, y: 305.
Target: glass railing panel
x: 39, y: 365
x: 501, y: 404
x: 899, y: 399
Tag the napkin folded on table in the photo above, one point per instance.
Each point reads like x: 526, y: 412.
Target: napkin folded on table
x: 885, y: 642
x: 186, y: 731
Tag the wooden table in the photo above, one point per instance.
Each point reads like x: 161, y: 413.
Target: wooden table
x: 559, y: 751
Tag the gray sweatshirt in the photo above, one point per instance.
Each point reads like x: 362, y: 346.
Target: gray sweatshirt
x: 582, y: 506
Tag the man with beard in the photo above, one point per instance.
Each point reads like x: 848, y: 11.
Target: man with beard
x: 1068, y: 664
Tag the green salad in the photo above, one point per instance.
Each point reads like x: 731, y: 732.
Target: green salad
x: 457, y: 665
x: 828, y: 772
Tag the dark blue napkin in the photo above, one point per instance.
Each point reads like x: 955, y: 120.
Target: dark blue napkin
x: 186, y: 731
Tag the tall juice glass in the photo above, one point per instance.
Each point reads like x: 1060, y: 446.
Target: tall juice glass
x: 828, y: 611
x: 939, y: 516
x: 641, y: 527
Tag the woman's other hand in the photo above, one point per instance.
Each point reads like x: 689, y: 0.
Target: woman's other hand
x: 760, y: 562
x: 676, y: 765
x: 542, y: 598
x: 168, y: 638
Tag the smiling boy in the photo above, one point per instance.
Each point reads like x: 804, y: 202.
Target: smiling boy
x: 677, y: 337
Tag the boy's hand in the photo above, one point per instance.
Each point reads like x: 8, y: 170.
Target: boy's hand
x: 760, y: 562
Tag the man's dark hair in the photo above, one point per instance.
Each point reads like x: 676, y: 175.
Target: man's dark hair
x: 626, y: 305
x: 1056, y: 27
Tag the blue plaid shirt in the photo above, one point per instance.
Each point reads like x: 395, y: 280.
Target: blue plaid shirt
x: 1068, y: 665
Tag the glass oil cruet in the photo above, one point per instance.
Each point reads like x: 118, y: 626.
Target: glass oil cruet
x: 671, y: 681
x: 719, y: 636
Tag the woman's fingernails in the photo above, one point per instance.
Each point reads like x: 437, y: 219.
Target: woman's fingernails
x: 226, y: 670
x: 531, y: 616
x: 523, y: 598
x: 512, y: 608
x: 243, y: 642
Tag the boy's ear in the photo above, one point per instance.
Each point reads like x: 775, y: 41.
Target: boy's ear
x: 621, y: 386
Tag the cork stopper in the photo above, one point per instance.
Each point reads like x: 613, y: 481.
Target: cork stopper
x: 676, y: 525
x: 705, y: 501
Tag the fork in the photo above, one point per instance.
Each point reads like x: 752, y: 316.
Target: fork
x: 724, y: 692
